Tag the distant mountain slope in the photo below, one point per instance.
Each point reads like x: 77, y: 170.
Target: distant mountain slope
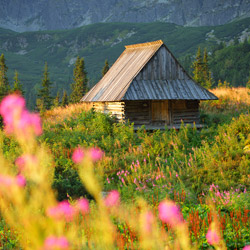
x: 27, y: 52
x: 33, y: 15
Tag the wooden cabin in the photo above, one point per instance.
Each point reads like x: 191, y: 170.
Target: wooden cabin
x: 148, y: 86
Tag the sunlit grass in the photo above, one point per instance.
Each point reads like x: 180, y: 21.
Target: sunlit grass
x: 61, y: 113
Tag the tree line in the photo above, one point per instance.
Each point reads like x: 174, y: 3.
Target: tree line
x: 45, y: 100
x: 224, y: 64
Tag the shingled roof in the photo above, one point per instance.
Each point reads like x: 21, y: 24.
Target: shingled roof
x: 125, y: 81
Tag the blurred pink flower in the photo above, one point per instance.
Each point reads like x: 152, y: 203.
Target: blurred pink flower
x: 29, y: 122
x: 83, y: 205
x: 78, y: 155
x: 6, y: 180
x: 170, y: 213
x: 112, y: 199
x: 96, y: 154
x: 62, y: 211
x: 20, y: 180
x: 148, y: 220
x: 17, y: 119
x: 52, y: 243
x: 24, y: 160
x: 246, y: 247
x: 9, y: 181
x: 212, y: 237
x: 11, y: 104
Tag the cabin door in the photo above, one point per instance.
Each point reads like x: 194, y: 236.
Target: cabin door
x: 160, y: 112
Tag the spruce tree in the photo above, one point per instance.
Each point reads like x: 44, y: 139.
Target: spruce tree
x: 248, y: 82
x: 56, y: 101
x: 201, y: 72
x: 105, y: 68
x: 207, y: 76
x: 17, y: 86
x: 79, y: 86
x: 65, y: 101
x: 4, y: 83
x: 44, y: 100
x: 198, y: 67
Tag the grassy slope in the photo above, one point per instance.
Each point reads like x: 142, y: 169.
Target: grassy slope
x: 96, y: 43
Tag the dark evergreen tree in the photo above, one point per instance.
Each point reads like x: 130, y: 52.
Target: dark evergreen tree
x: 65, y: 101
x: 44, y: 100
x: 201, y: 73
x: 248, y: 82
x: 4, y: 83
x: 56, y: 101
x: 198, y: 67
x: 17, y: 86
x: 207, y: 76
x: 79, y: 86
x: 105, y: 68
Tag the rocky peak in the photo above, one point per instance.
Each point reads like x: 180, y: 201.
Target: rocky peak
x: 31, y: 15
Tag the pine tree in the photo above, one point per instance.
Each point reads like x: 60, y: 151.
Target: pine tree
x: 56, y: 101
x: 207, y: 76
x: 4, y: 83
x: 201, y: 72
x: 17, y: 86
x: 220, y: 85
x: 198, y: 67
x: 248, y: 82
x: 44, y: 100
x: 105, y: 68
x: 79, y: 86
x: 65, y: 101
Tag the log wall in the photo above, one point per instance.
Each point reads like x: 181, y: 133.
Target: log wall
x: 186, y: 111
x: 161, y: 113
x: 114, y: 108
x: 138, y: 112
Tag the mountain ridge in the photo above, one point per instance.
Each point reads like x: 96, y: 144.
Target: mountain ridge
x: 34, y: 15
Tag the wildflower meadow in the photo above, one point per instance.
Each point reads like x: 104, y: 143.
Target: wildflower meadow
x: 78, y: 180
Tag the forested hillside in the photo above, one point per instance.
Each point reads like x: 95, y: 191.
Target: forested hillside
x: 27, y: 52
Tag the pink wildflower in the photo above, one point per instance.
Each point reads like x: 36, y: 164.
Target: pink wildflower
x: 96, y: 154
x: 246, y: 247
x: 169, y: 213
x: 53, y: 242
x: 112, y: 199
x: 78, y: 155
x: 148, y: 221
x: 31, y: 121
x: 17, y: 119
x: 9, y: 181
x: 23, y: 160
x: 20, y: 181
x: 212, y: 237
x: 62, y: 211
x: 11, y: 104
x: 83, y: 205
x: 6, y: 180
